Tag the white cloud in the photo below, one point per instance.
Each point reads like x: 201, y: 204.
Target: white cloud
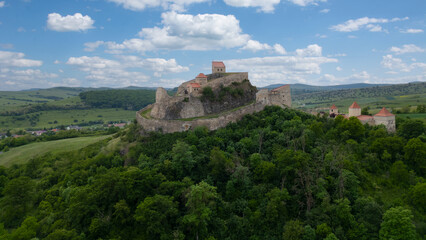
x: 69, y: 23
x: 305, y: 3
x: 279, y: 69
x: 407, y: 48
x: 279, y: 49
x: 330, y: 79
x: 325, y: 10
x: 16, y: 72
x: 106, y: 72
x: 339, y: 69
x: 2, y: 4
x: 372, y: 24
x: 412, y: 30
x: 139, y: 5
x: 320, y: 35
x: 267, y: 6
x: 16, y: 59
x: 312, y: 50
x: 396, y: 64
x: 255, y: 46
x: 184, y: 32
x: 91, y: 46
x: 70, y: 82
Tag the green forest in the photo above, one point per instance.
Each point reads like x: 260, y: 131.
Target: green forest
x: 118, y: 98
x: 276, y: 174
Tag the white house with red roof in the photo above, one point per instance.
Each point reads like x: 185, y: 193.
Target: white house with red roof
x: 384, y: 117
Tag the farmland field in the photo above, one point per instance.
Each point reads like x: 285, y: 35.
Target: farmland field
x: 24, y: 153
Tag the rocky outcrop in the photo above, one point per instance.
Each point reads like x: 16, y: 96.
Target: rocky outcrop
x: 229, y: 92
x: 170, y: 126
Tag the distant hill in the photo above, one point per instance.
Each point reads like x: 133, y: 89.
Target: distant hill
x: 397, y: 95
x: 298, y: 88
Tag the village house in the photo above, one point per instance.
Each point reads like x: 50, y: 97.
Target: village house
x: 384, y: 117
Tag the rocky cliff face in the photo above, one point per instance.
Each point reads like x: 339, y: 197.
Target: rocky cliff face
x: 230, y: 97
x: 220, y: 98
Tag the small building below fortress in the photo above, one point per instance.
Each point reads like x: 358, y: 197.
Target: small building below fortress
x: 212, y: 100
x: 384, y: 117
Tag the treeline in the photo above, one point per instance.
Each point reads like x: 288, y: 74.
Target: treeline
x: 125, y: 99
x: 378, y: 91
x: 276, y: 174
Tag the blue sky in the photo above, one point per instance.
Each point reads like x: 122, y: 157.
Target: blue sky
x: 118, y: 43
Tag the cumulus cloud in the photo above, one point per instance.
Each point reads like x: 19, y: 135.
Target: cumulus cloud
x: 139, y: 5
x: 407, y: 48
x: 255, y: 46
x: 279, y: 49
x: 184, y: 32
x: 280, y: 69
x: 305, y: 3
x: 397, y: 64
x: 2, y: 3
x: 267, y: 6
x: 106, y: 72
x: 412, y: 30
x: 16, y: 59
x: 325, y: 10
x: 311, y: 50
x: 69, y: 23
x: 16, y: 72
x: 371, y: 24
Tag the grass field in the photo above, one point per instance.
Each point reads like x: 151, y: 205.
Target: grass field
x: 46, y: 119
x: 24, y: 153
x: 420, y: 116
x: 11, y: 100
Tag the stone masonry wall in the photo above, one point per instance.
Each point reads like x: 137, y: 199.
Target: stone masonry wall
x: 169, y: 126
x: 225, y: 81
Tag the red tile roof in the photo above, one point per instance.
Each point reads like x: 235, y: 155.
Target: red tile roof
x: 218, y: 64
x: 333, y: 107
x: 354, y: 105
x: 278, y: 88
x: 364, y: 117
x: 201, y: 75
x: 194, y: 85
x: 384, y: 113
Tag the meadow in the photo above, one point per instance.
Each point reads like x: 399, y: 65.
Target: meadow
x: 22, y: 154
x: 54, y: 118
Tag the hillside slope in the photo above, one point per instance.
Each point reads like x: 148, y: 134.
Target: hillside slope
x: 276, y: 174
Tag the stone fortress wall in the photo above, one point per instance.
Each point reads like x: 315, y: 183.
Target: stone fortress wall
x: 170, y: 126
x: 186, y: 111
x: 225, y: 81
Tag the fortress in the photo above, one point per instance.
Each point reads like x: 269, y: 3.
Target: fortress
x: 212, y: 100
x: 383, y: 117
